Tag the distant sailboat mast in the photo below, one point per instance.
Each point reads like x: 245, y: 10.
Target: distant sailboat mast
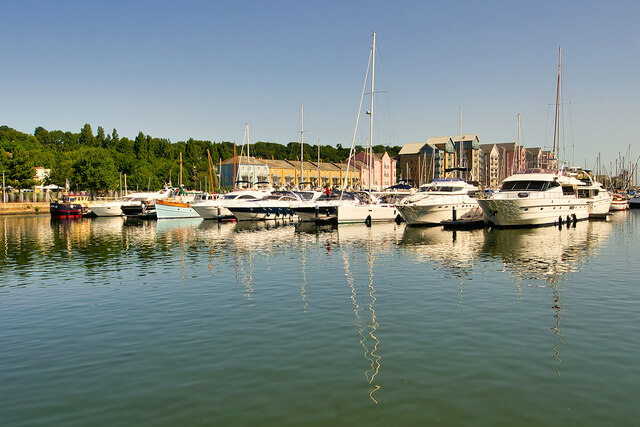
x: 373, y: 74
x: 556, y: 127
x: 301, y: 146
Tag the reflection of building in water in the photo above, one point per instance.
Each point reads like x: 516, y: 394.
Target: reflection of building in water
x: 365, y: 314
x: 455, y: 251
x: 547, y: 254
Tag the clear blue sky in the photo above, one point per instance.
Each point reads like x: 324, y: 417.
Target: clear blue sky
x: 185, y: 69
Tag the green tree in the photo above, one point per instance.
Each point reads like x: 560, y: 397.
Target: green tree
x: 100, y: 137
x: 95, y: 170
x: 22, y: 169
x: 114, y: 136
x: 141, y: 146
x: 86, y: 138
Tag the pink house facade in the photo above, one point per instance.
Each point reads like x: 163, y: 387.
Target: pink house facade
x: 383, y: 172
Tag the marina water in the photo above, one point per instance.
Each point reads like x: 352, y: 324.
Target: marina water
x: 191, y: 322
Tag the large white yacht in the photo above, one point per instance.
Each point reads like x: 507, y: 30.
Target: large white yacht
x: 217, y: 209
x: 439, y: 201
x: 535, y: 197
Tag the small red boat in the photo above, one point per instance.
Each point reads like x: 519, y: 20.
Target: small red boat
x: 71, y: 205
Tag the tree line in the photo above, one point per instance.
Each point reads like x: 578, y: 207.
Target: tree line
x: 96, y: 161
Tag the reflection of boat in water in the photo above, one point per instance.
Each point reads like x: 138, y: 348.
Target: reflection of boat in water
x: 107, y: 225
x: 381, y: 235
x: 456, y: 251
x: 546, y: 253
x: 167, y: 225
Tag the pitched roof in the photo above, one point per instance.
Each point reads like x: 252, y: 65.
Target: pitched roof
x: 509, y: 146
x: 466, y: 137
x: 487, y: 148
x: 411, y: 148
x: 438, y: 139
x: 278, y: 164
x: 244, y: 160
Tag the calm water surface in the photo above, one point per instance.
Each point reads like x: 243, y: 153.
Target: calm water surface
x: 108, y: 322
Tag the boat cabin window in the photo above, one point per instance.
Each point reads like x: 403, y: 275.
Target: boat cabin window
x: 525, y: 185
x: 568, y: 190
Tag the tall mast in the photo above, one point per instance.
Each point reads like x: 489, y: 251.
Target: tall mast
x: 373, y: 73
x: 301, y: 145
x: 250, y: 178
x: 556, y: 127
x: 180, y: 176
x: 518, y: 145
x: 319, y: 181
x: 210, y: 172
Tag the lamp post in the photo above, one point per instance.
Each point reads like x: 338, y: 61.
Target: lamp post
x: 4, y: 199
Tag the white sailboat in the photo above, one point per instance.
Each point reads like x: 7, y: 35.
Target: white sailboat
x: 372, y: 210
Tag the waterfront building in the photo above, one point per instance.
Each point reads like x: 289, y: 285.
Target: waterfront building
x: 382, y: 168
x: 249, y: 170
x: 489, y: 165
x: 467, y: 149
x: 421, y: 162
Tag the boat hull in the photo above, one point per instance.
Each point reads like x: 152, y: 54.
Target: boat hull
x: 107, y: 209
x: 510, y: 212
x: 174, y: 210
x: 67, y: 209
x: 600, y: 205
x: 363, y: 213
x: 619, y: 205
x: 261, y: 213
x: 434, y: 214
x: 212, y: 212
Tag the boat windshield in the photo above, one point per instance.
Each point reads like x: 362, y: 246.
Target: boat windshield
x: 445, y: 189
x: 526, y: 185
x: 336, y: 196
x: 305, y: 195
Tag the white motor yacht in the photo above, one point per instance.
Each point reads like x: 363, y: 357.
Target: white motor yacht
x: 535, y: 197
x: 443, y: 199
x: 217, y: 209
x: 371, y: 209
x: 114, y: 207
x: 598, y: 198
x: 325, y: 208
